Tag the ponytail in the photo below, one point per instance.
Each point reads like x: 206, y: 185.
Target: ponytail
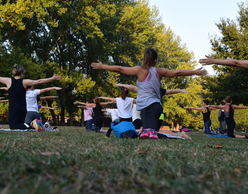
x: 124, y: 93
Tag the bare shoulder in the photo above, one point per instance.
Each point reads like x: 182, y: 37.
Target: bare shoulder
x: 161, y: 72
x: 6, y: 81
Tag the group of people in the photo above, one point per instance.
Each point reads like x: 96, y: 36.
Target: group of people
x: 144, y: 111
x: 148, y: 101
x: 23, y: 106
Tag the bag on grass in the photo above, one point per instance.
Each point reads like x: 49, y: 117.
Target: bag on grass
x: 124, y: 129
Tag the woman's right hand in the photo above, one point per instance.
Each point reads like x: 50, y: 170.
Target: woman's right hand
x: 97, y: 65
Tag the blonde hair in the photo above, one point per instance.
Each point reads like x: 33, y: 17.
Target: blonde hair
x: 149, y: 57
x: 17, y: 70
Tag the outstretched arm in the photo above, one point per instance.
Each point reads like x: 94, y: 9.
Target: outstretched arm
x: 28, y: 82
x: 162, y: 72
x: 4, y: 101
x: 107, y: 103
x: 92, y: 105
x: 47, y: 107
x: 224, y: 107
x: 108, y: 98
x: 118, y: 69
x: 130, y: 87
x: 81, y: 106
x: 225, y: 62
x: 6, y: 81
x: 212, y: 108
x: 175, y: 91
x: 47, y: 97
x: 3, y: 88
x: 49, y: 89
x: 192, y: 108
x: 240, y: 107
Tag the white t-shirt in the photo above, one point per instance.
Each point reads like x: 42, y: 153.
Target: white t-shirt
x: 31, y: 100
x: 136, y: 113
x: 124, y: 107
x: 114, y: 114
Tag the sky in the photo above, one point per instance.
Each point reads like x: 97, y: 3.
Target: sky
x: 194, y: 21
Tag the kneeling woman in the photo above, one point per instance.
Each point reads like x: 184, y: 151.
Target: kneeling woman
x: 206, y: 114
x: 124, y: 105
x: 229, y: 113
x: 97, y: 110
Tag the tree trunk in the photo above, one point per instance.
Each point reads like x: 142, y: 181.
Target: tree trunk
x: 49, y: 103
x: 82, y: 118
x: 71, y: 119
x: 62, y: 113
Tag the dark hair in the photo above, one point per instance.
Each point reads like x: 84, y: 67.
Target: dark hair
x: 29, y: 87
x: 17, y: 70
x: 206, y: 102
x: 222, y: 103
x: 124, y: 93
x: 149, y: 57
x: 97, y: 100
x: 113, y: 106
x: 228, y: 99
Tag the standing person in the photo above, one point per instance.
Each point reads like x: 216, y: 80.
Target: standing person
x: 206, y: 114
x: 229, y: 113
x: 222, y: 118
x: 124, y: 105
x: 97, y: 110
x: 225, y: 62
x: 148, y: 83
x: 32, y: 104
x: 17, y: 96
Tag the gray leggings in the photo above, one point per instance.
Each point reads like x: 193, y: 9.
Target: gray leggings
x: 30, y: 116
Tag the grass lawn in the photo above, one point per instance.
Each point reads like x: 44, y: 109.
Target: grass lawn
x: 77, y: 161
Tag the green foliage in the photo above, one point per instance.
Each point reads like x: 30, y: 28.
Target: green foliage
x: 174, y: 111
x: 65, y: 37
x: 231, y: 81
x: 15, y: 12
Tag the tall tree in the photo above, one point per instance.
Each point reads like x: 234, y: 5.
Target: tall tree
x: 230, y: 81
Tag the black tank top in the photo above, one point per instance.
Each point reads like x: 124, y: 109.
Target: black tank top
x: 230, y: 113
x: 97, y: 110
x: 206, y: 116
x: 17, y: 95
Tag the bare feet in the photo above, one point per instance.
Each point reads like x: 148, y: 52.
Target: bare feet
x: 185, y: 136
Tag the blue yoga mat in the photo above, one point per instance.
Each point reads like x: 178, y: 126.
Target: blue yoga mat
x: 218, y: 136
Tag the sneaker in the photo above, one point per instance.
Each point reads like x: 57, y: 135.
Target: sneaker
x: 37, y: 124
x: 144, y: 134
x: 153, y: 134
x: 97, y: 129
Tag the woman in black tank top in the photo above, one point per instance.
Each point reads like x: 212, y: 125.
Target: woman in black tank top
x: 206, y: 114
x: 17, y: 95
x: 97, y: 111
x: 229, y: 113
